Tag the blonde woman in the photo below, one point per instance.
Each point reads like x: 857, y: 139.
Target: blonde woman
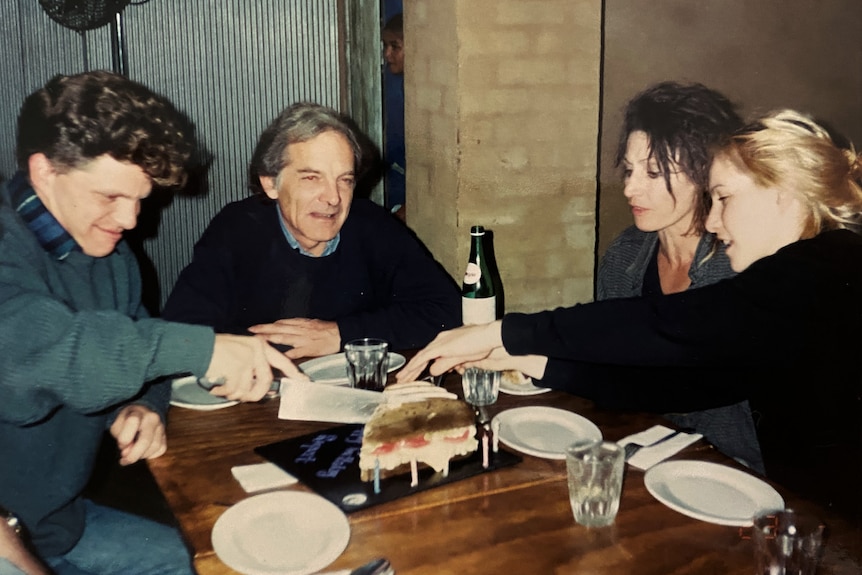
x: 786, y: 204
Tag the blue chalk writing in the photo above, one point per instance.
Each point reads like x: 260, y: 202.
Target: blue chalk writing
x: 309, y: 454
x: 340, y: 463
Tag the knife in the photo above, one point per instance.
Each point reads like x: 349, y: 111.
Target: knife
x: 210, y: 384
x: 378, y: 566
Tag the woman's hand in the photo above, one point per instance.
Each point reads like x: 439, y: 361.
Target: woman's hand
x: 500, y: 360
x: 454, y: 347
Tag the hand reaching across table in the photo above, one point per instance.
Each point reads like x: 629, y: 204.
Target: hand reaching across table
x: 453, y: 348
x: 501, y: 360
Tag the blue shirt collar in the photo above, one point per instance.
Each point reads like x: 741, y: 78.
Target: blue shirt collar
x: 52, y: 236
x: 330, y: 245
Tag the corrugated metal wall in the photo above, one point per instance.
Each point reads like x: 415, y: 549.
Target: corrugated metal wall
x: 231, y: 65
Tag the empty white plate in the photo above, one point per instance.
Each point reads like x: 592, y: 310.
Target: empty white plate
x: 543, y: 431
x: 332, y: 369
x: 282, y: 532
x: 711, y: 492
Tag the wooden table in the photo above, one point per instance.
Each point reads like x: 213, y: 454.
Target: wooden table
x: 513, y: 520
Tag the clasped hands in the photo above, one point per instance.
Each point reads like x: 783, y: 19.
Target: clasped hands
x: 306, y: 337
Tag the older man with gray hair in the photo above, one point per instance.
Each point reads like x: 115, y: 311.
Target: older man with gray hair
x: 304, y: 264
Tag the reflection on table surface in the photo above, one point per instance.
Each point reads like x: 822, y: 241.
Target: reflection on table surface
x: 512, y: 520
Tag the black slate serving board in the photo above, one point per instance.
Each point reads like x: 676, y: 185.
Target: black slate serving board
x: 328, y: 462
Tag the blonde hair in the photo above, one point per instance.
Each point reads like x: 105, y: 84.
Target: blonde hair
x: 789, y: 150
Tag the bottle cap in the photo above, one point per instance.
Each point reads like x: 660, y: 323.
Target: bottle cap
x: 477, y: 231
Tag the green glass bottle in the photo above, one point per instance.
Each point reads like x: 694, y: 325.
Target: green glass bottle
x: 478, y: 295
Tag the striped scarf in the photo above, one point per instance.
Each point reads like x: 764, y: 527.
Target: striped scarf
x: 52, y: 236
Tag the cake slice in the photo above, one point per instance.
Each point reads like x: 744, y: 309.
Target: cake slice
x: 424, y: 430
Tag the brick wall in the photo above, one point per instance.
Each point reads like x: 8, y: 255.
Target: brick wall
x: 502, y: 108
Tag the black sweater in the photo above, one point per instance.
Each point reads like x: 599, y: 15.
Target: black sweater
x: 380, y: 281
x: 784, y: 333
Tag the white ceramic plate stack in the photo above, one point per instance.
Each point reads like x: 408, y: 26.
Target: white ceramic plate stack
x: 283, y: 533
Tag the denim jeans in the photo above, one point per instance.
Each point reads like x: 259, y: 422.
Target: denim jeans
x: 118, y: 543
x: 6, y: 568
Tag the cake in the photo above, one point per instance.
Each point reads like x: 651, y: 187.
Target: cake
x: 514, y: 378
x: 417, y: 424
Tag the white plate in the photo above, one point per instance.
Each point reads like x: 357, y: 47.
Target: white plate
x: 185, y: 392
x: 544, y: 431
x: 332, y: 369
x: 282, y: 532
x: 523, y: 385
x: 711, y: 492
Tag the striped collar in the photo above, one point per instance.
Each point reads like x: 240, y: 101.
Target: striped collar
x: 52, y: 236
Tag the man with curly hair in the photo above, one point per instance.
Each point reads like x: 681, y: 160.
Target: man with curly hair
x: 80, y: 354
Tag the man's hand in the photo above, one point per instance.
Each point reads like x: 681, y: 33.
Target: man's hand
x: 307, y: 337
x: 140, y: 434
x: 245, y: 363
x: 454, y: 347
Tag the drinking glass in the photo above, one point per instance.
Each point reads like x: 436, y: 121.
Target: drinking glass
x: 786, y: 543
x: 481, y: 387
x: 367, y: 363
x: 595, y: 474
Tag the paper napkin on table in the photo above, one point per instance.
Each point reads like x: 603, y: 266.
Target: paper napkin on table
x: 646, y: 457
x: 262, y: 476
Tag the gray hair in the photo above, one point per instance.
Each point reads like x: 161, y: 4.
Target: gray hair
x: 297, y: 123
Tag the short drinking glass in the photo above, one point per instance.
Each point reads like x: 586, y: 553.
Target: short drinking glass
x: 367, y: 363
x: 595, y: 472
x: 481, y: 387
x: 786, y: 543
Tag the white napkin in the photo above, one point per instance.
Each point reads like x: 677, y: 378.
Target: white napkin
x: 646, y: 457
x: 262, y: 476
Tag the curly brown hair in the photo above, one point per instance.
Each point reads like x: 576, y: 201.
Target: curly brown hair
x: 75, y: 119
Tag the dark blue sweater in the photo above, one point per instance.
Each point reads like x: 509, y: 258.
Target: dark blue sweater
x: 380, y: 281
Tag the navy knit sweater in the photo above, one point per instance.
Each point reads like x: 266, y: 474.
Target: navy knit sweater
x: 380, y: 282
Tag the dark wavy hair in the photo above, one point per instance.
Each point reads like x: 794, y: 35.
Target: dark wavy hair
x: 297, y: 123
x: 75, y: 119
x: 395, y: 25
x: 683, y: 123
